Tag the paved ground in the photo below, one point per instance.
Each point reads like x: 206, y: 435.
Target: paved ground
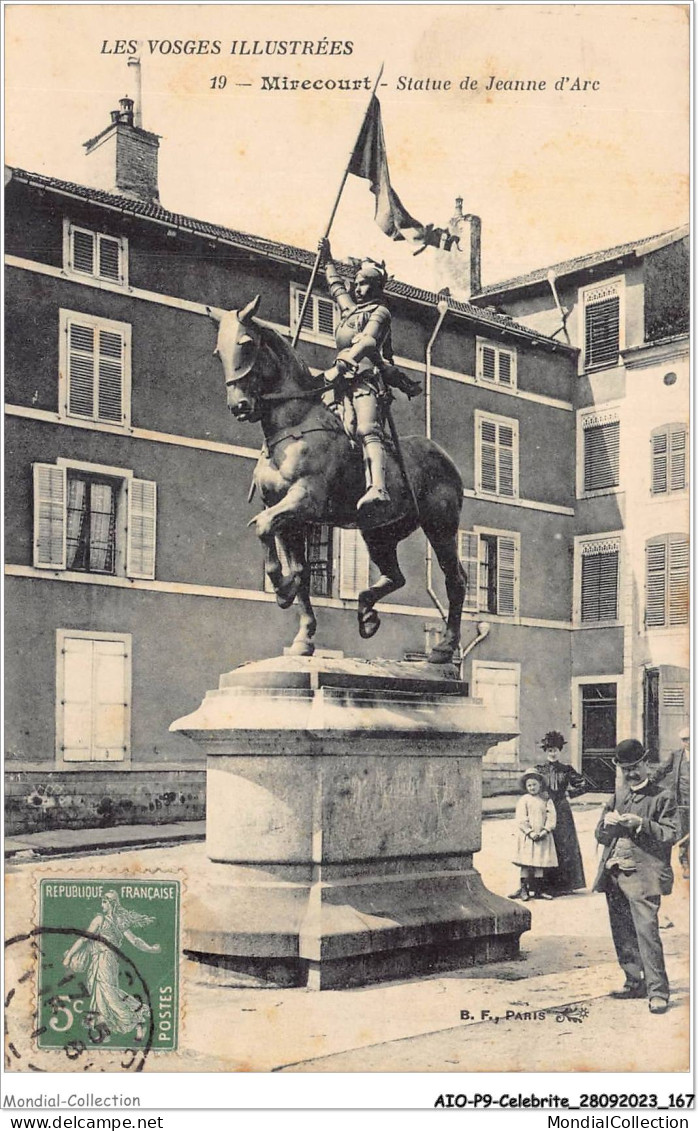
x: 567, y: 961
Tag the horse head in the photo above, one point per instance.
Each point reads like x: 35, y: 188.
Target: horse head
x: 238, y: 346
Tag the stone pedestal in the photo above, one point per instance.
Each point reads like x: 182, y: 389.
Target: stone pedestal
x: 343, y: 811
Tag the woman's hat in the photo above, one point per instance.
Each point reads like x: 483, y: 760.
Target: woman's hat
x: 553, y: 740
x: 629, y: 752
x: 532, y: 773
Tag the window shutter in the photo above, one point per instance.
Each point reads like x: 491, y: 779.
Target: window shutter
x: 140, y: 547
x: 677, y: 466
x: 600, y: 586
x: 49, y: 516
x: 81, y: 370
x: 506, y: 461
x: 308, y: 317
x: 111, y: 373
x: 325, y: 316
x: 83, y: 252
x: 488, y: 455
x: 504, y: 368
x: 489, y: 363
x: 109, y: 256
x: 506, y: 576
x: 468, y: 552
x: 354, y: 564
x: 601, y: 456
x: 109, y: 701
x: 655, y: 599
x: 679, y: 572
x: 659, y: 462
x: 77, y: 699
x: 603, y: 332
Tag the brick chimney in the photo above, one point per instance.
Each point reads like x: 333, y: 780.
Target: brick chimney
x: 123, y: 158
x: 457, y: 260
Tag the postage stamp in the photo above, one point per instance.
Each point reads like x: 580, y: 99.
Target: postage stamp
x: 108, y: 964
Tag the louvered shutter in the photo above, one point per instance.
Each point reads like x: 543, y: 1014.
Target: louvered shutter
x: 656, y: 587
x: 81, y: 369
x: 140, y: 542
x: 600, y: 586
x: 489, y: 363
x: 109, y: 258
x: 325, y: 316
x: 468, y: 552
x: 660, y: 443
x: 488, y: 455
x: 354, y: 564
x: 504, y: 368
x: 506, y: 461
x: 679, y: 574
x: 677, y: 461
x: 601, y: 456
x: 49, y: 516
x: 506, y: 576
x: 602, y: 339
x: 308, y: 316
x: 109, y: 702
x: 110, y: 376
x: 83, y: 251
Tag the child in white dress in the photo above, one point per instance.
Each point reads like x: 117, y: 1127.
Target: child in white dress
x: 535, y: 847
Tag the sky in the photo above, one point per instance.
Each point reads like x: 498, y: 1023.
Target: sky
x: 551, y: 173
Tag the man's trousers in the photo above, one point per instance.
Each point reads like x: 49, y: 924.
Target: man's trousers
x: 635, y: 930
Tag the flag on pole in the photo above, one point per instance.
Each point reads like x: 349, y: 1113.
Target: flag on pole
x: 369, y: 160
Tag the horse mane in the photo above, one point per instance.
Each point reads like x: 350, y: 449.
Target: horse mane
x: 288, y: 359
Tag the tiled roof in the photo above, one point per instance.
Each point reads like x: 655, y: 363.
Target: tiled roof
x: 271, y: 248
x: 581, y: 262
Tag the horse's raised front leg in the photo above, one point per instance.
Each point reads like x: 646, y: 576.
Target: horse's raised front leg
x: 293, y: 541
x: 383, y: 554
x: 284, y: 576
x: 445, y: 547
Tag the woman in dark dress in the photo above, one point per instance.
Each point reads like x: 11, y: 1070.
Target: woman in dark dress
x: 562, y: 782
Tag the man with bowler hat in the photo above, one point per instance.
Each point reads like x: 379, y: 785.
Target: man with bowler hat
x: 637, y: 828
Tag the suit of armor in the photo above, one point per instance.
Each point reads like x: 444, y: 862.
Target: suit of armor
x: 363, y: 364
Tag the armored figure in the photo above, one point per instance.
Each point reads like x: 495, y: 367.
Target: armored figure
x: 364, y: 364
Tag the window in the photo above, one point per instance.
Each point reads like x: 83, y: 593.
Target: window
x: 669, y: 452
x: 602, y: 305
x: 354, y: 564
x: 668, y: 571
x: 498, y: 686
x: 598, y: 570
x: 95, y: 254
x: 320, y: 316
x: 95, y: 368
x: 93, y: 696
x: 495, y: 363
x: 319, y: 543
x: 491, y: 561
x: 496, y: 455
x: 93, y: 519
x: 601, y: 450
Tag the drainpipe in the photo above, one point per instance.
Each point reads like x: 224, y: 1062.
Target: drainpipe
x: 483, y: 630
x: 442, y: 307
x: 552, y: 277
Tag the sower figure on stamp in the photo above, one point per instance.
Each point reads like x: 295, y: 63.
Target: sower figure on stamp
x: 364, y: 365
x: 637, y: 828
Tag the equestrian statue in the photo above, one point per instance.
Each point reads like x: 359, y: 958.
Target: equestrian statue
x: 331, y: 454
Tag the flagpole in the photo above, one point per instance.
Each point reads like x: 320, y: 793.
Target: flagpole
x: 333, y: 213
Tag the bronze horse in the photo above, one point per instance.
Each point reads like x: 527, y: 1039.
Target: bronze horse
x: 310, y: 472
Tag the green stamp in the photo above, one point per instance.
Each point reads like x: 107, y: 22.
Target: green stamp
x: 108, y: 965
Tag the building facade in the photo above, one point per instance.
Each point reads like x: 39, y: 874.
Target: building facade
x: 627, y: 311
x: 132, y: 580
